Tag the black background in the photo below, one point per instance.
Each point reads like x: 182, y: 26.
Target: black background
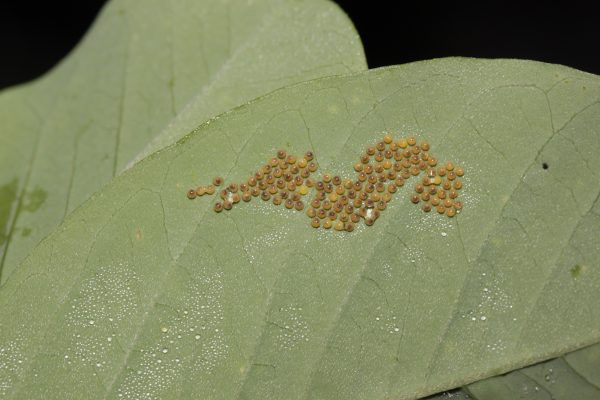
x: 34, y: 36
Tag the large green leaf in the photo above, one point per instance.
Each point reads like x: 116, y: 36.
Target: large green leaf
x: 144, y: 293
x: 69, y: 133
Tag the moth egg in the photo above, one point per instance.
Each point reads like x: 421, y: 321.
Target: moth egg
x: 448, y: 202
x: 399, y: 182
x: 284, y: 194
x: 372, y: 179
x: 379, y: 157
x: 402, y: 143
x: 266, y: 169
x: 333, y: 196
x: 426, y: 207
x: 332, y: 215
x: 441, y: 209
x: 218, y: 207
x: 191, y: 194
x: 370, y: 188
x: 432, y: 162
x: 296, y: 196
x: 227, y: 205
x: 273, y: 162
x: 233, y: 188
x: 277, y: 200
x: 224, y: 194
x: 252, y: 181
x: 375, y: 197
x: 369, y: 221
x: 357, y: 203
x: 309, y: 155
x: 387, y: 164
x: 348, y: 184
x: 351, y: 194
x: 265, y: 195
x: 217, y: 181
x: 302, y: 163
x: 340, y: 190
x: 457, y: 184
x: 299, y: 205
x: 441, y: 194
x: 425, y: 196
x: 355, y: 218
x: 447, y: 185
x: 303, y: 190
x: 321, y: 214
x: 449, y: 166
x: 309, y: 182
x: 291, y: 159
x: 437, y: 180
x: 388, y: 154
x: 362, y: 177
x: 364, y: 159
x: 326, y: 178
x: 441, y: 171
x: 339, y: 226
x: 291, y: 186
x: 451, y: 175
x: 425, y: 146
x: 414, y: 171
x: 327, y: 204
x: 387, y: 197
x: 305, y: 173
x: 435, y: 201
x: 380, y: 187
x: 272, y: 189
x: 246, y: 196
x: 450, y: 212
x: 411, y: 141
x: 358, y: 167
x: 312, y: 167
x: 255, y: 192
x: 368, y: 169
x: 419, y: 188
x: 243, y: 187
x: 277, y: 172
x: 349, y: 227
x: 327, y: 224
x: 289, y: 204
x: 453, y: 194
x: 458, y: 205
x: 415, y: 198
x: 460, y: 171
x: 311, y: 213
x: 393, y: 146
x: 281, y: 154
x: 381, y: 205
x: 388, y: 139
x: 315, y: 223
x: 235, y: 198
x: 200, y: 191
x: 328, y: 188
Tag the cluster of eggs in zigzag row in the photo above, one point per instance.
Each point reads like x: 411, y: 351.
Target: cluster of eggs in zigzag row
x: 341, y: 203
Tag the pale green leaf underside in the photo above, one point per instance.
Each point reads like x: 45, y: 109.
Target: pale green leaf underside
x: 69, y: 133
x: 256, y: 304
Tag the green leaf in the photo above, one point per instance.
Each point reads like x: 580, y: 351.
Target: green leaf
x: 69, y: 133
x: 574, y: 376
x: 144, y: 293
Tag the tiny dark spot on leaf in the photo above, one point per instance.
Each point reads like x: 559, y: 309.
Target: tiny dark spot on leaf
x: 545, y: 165
x: 34, y: 199
x: 26, y: 232
x: 576, y: 271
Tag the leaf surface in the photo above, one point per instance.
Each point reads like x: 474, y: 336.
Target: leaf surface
x: 575, y: 375
x: 144, y: 62
x: 143, y: 293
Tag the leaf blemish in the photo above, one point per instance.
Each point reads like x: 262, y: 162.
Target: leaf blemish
x: 342, y: 203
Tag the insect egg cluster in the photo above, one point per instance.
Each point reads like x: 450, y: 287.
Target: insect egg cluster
x: 341, y: 203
